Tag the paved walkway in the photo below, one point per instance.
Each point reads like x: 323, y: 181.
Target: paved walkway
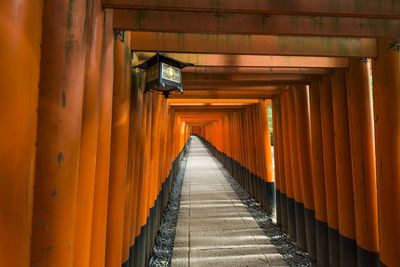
x: 214, y: 227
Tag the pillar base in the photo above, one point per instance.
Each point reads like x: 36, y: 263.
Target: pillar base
x: 300, y: 226
x: 348, y: 251
x: 321, y: 229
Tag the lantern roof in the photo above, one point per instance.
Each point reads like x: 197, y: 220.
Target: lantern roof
x: 158, y: 57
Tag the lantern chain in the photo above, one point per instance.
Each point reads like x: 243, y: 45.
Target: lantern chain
x: 395, y: 45
x: 121, y: 34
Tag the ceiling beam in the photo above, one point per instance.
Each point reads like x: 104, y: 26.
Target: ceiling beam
x: 211, y: 101
x: 214, y: 60
x: 205, y: 108
x: 233, y: 90
x: 201, y: 113
x: 258, y: 24
x: 194, y: 76
x: 353, y: 8
x: 227, y: 95
x: 208, y: 105
x: 253, y: 44
x: 239, y: 85
x: 257, y: 70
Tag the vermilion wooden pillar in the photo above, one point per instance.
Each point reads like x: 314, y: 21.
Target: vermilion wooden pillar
x: 88, y: 149
x: 59, y: 132
x: 386, y: 78
x: 303, y: 123
x: 301, y: 238
x: 140, y: 218
x: 269, y: 170
x: 361, y: 128
x: 100, y: 201
x: 288, y: 156
x: 146, y: 179
x: 328, y: 143
x: 278, y: 144
x: 20, y: 28
x: 276, y: 161
x: 119, y: 151
x: 133, y: 156
x: 154, y: 169
x: 347, y: 235
x: 321, y: 227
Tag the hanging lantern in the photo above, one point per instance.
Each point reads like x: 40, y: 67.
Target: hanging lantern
x: 163, y: 74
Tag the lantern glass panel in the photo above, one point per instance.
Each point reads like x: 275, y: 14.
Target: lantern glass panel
x: 171, y: 73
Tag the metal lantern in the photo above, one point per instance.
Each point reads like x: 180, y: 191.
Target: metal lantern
x: 163, y: 74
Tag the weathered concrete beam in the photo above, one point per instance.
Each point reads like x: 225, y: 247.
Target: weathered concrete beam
x: 253, y: 44
x: 353, y: 8
x: 238, y: 23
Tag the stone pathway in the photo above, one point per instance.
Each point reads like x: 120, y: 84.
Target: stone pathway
x: 214, y: 227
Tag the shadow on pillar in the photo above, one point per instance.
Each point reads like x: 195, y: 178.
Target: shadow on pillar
x: 142, y: 251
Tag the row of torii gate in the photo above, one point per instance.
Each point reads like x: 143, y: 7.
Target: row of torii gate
x: 87, y: 159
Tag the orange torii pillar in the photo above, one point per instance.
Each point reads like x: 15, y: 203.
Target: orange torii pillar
x: 267, y: 157
x: 257, y: 155
x: 119, y: 151
x: 259, y: 162
x: 100, y: 201
x: 280, y: 175
x: 361, y: 127
x: 140, y: 217
x: 288, y: 156
x: 386, y: 79
x: 20, y: 28
x: 276, y: 161
x: 303, y: 123
x: 347, y: 235
x: 328, y: 143
x: 301, y: 237
x: 251, y: 147
x: 252, y: 152
x: 90, y: 126
x: 136, y: 165
x: 151, y: 137
x: 146, y: 182
x: 59, y: 132
x: 248, y: 147
x: 154, y: 169
x: 132, y: 178
x: 240, y: 169
x: 321, y: 227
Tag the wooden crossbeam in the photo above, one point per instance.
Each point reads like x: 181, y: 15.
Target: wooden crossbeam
x: 261, y: 24
x: 227, y: 95
x: 257, y: 70
x: 353, y: 8
x: 210, y: 101
x: 239, y: 85
x: 253, y: 44
x: 213, y: 60
x: 208, y: 108
x: 194, y: 76
x: 207, y: 105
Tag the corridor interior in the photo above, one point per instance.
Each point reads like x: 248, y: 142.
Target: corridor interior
x: 214, y: 227
x: 292, y: 107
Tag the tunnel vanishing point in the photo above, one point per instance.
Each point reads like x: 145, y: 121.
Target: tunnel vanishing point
x: 87, y: 160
